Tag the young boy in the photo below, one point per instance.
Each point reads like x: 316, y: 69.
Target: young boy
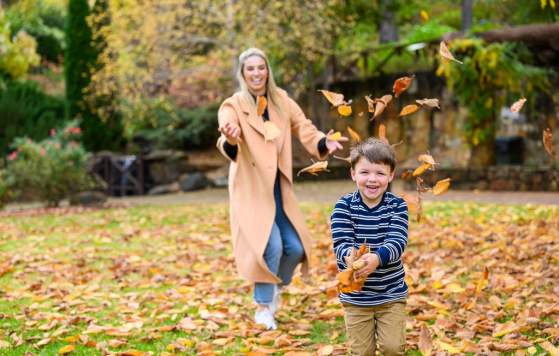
x: 372, y: 216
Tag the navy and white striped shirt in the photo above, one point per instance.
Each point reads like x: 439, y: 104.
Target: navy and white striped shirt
x: 384, y: 228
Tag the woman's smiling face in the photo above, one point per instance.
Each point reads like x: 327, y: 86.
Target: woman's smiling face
x: 255, y: 72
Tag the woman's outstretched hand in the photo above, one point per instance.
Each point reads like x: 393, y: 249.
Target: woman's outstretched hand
x: 232, y: 133
x: 332, y: 145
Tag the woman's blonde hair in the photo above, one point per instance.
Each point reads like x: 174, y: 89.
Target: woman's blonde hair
x: 272, y: 91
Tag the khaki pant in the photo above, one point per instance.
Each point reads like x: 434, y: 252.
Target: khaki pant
x: 383, y: 324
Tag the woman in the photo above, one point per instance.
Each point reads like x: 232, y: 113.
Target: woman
x: 269, y: 234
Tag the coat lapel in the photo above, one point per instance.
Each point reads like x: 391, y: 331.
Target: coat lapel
x: 256, y: 122
x: 280, y: 121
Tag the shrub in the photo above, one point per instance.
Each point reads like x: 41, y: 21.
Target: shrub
x: 5, y: 188
x: 182, y: 128
x: 52, y: 169
x: 26, y: 111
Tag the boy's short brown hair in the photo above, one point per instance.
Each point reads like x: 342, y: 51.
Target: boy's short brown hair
x: 375, y: 151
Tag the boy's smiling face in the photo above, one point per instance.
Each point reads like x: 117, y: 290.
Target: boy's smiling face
x: 372, y: 180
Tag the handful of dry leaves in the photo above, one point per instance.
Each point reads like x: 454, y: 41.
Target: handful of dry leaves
x: 346, y: 280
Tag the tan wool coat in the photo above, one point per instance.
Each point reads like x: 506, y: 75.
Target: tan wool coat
x: 252, y: 175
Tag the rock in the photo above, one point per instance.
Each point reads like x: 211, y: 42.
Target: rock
x: 219, y: 177
x: 88, y: 198
x: 193, y: 181
x: 165, y: 189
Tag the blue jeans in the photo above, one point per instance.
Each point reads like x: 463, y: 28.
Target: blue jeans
x: 283, y: 251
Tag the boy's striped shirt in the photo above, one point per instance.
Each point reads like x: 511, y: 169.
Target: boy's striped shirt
x: 384, y: 228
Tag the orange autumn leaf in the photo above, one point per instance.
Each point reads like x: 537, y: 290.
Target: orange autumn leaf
x: 131, y: 353
x: 548, y: 142
x: 271, y: 131
x: 401, y: 84
x: 66, y: 349
x: 344, y: 110
x: 354, y: 135
x: 382, y: 133
x: 445, y: 53
x: 432, y: 103
x: 412, y: 202
x: 517, y: 105
x: 421, y: 169
x: 441, y: 186
x: 336, y: 136
x: 409, y: 109
x: 261, y: 104
x: 315, y: 168
x: 335, y: 99
x: 370, y: 104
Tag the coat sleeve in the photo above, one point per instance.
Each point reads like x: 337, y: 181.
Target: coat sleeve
x: 226, y: 114
x: 305, y: 131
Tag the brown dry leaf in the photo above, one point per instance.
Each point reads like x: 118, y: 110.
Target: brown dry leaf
x: 66, y: 349
x: 421, y: 169
x: 432, y: 103
x: 298, y: 353
x: 445, y: 53
x: 336, y: 136
x: 517, y: 105
x: 335, y: 99
x: 448, y: 347
x: 548, y: 346
x: 315, y: 168
x: 401, y: 84
x: 382, y: 133
x: 425, y: 341
x: 548, y: 142
x: 381, y: 104
x: 261, y: 104
x: 426, y: 158
x: 441, y: 186
x: 271, y: 131
x: 325, y: 350
x: 344, y: 110
x: 346, y: 159
x: 131, y: 353
x: 409, y: 109
x: 354, y: 135
x: 370, y: 104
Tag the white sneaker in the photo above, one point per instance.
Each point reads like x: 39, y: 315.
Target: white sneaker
x: 265, y: 317
x: 276, y: 301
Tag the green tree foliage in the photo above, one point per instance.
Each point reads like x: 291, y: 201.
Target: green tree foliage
x: 17, y: 53
x: 80, y: 60
x: 491, y: 73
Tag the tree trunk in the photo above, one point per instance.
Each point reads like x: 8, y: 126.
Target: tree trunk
x: 467, y: 15
x: 388, y: 30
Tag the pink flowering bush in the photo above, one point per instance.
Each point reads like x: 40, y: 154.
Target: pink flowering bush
x: 50, y: 170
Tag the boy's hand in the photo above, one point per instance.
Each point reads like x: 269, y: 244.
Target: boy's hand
x: 371, y: 263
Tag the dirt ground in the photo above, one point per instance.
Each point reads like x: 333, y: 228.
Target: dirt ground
x: 330, y: 191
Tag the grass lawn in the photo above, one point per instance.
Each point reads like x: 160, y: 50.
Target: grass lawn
x: 161, y: 280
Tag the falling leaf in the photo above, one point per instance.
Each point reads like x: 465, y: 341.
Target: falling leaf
x: 370, y: 104
x: 412, y: 202
x: 271, y: 131
x: 354, y: 135
x: 432, y: 103
x: 346, y: 159
x: 445, y: 53
x: 441, y: 186
x: 424, y: 15
x: 401, y: 84
x: 425, y: 341
x: 421, y: 169
x: 336, y: 136
x: 517, y: 105
x: 66, y: 349
x: 409, y: 109
x: 548, y: 142
x: 261, y: 104
x: 344, y: 110
x: 335, y: 99
x: 425, y: 158
x: 382, y: 133
x: 315, y: 168
x: 379, y: 105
